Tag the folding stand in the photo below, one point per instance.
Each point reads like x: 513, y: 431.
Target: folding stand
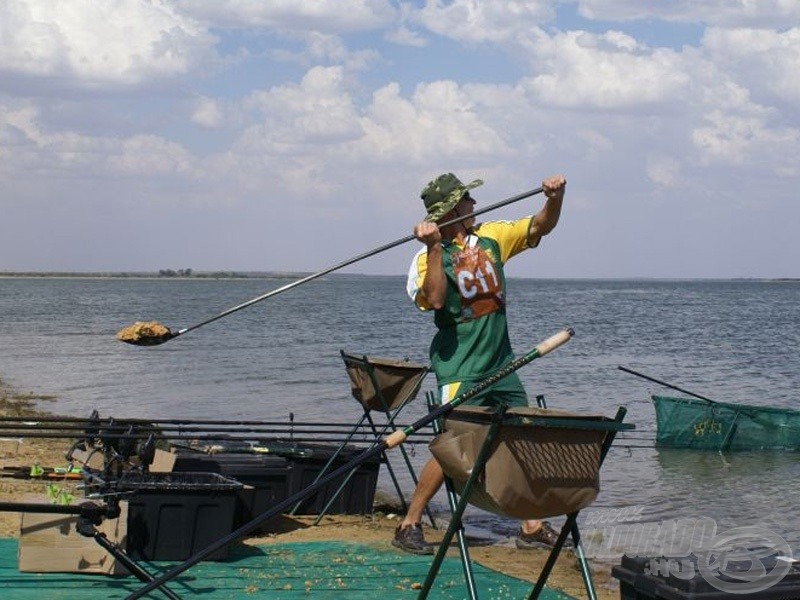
x: 386, y: 386
x: 523, y: 463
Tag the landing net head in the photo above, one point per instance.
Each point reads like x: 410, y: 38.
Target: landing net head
x: 145, y: 333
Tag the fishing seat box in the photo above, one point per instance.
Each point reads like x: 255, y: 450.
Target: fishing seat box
x: 172, y: 516
x: 640, y: 578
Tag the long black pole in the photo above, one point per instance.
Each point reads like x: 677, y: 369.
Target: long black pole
x: 350, y: 261
x: 395, y: 439
x: 172, y: 431
x: 120, y: 422
x: 665, y: 384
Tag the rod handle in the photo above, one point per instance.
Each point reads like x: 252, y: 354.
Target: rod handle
x: 554, y: 341
x: 395, y: 439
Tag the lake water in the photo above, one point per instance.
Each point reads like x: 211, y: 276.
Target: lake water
x: 735, y: 341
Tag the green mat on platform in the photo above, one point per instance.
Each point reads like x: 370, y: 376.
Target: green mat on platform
x: 281, y: 571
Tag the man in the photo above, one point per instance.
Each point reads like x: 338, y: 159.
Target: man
x: 459, y: 275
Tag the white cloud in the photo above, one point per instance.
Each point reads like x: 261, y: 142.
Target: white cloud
x: 150, y: 155
x: 312, y: 134
x: 97, y: 42
x: 329, y: 16
x: 406, y: 37
x: 18, y: 134
x: 207, y: 113
x: 321, y: 48
x: 611, y: 70
x: 480, y: 21
x: 737, y: 139
x: 440, y: 122
x: 663, y: 170
x: 762, y: 13
x: 28, y: 147
x: 318, y: 109
x: 767, y: 62
x: 597, y: 144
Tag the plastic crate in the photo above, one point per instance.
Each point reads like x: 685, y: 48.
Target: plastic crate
x: 172, y: 516
x: 658, y: 578
x: 358, y: 495
x: 286, y: 468
x: 266, y: 479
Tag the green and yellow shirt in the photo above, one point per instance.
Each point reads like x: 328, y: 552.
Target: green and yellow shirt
x: 472, y: 340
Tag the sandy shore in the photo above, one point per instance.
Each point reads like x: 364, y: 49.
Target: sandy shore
x: 377, y: 528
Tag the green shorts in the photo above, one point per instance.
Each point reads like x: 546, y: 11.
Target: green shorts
x: 508, y: 390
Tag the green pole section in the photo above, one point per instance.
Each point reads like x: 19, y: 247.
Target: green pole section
x: 545, y: 347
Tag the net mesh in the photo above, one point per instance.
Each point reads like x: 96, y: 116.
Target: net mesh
x: 704, y: 425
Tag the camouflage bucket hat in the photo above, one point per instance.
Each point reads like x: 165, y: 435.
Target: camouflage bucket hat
x: 443, y: 193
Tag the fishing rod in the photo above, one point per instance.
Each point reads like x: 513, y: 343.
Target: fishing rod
x: 164, y: 432
x: 389, y: 442
x: 218, y: 438
x: 665, y: 384
x: 762, y: 420
x: 154, y: 334
x: 96, y: 421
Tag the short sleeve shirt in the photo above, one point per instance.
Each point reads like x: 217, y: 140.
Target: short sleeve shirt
x: 472, y: 338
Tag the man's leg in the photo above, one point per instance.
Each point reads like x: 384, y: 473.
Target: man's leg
x: 408, y: 535
x: 430, y: 480
x: 538, y: 534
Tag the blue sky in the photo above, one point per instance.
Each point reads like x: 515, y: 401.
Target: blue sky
x: 291, y: 135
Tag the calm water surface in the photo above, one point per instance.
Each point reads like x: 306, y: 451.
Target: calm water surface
x: 735, y: 341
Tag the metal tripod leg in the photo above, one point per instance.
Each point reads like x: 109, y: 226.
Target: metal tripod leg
x: 378, y: 434
x: 86, y: 528
x: 571, y: 526
x: 347, y: 479
x: 390, y: 424
x: 583, y: 564
x: 331, y: 460
x: 389, y: 468
x: 461, y: 538
x: 390, y: 418
x: 553, y: 556
x: 455, y: 521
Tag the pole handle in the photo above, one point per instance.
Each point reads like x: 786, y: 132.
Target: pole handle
x: 554, y: 341
x: 395, y: 439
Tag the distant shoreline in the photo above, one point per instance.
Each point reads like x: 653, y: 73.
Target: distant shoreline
x: 149, y: 275
x: 178, y: 275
